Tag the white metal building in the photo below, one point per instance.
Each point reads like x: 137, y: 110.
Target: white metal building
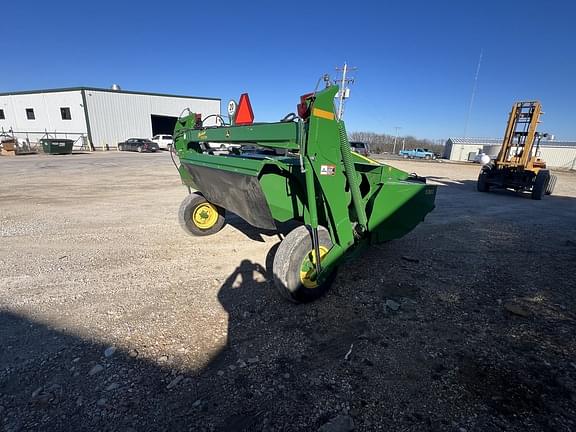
x: 95, y: 116
x: 557, y: 154
x: 461, y: 149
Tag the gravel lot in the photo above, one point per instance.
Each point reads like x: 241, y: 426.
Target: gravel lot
x: 113, y: 319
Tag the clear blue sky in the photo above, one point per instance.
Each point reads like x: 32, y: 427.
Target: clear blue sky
x: 416, y: 60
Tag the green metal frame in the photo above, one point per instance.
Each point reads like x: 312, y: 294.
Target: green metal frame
x: 319, y: 181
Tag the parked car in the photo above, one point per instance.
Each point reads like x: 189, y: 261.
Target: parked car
x: 223, y: 146
x: 360, y: 148
x: 164, y: 141
x: 138, y: 144
x: 418, y: 153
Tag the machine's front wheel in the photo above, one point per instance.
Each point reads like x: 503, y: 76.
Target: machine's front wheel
x: 482, y: 185
x: 540, y: 184
x: 198, y: 217
x: 294, y: 265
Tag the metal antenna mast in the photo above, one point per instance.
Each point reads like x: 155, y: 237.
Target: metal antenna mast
x: 473, y: 93
x: 344, y: 92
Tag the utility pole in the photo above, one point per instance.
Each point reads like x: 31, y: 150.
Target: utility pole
x: 344, y: 92
x: 396, y: 138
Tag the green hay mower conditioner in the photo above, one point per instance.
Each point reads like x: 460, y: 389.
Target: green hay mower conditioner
x: 307, y: 173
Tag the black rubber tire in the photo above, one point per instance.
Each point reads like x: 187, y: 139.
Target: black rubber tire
x: 427, y: 157
x: 185, y: 216
x: 120, y: 147
x: 139, y: 149
x: 551, y: 185
x: 288, y: 261
x: 482, y: 185
x: 540, y: 183
x: 405, y: 156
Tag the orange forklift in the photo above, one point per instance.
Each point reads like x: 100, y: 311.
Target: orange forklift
x: 519, y: 166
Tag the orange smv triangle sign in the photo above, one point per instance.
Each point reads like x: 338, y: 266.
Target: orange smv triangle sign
x: 244, y: 113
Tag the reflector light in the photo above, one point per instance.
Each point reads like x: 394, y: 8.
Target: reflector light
x: 244, y: 113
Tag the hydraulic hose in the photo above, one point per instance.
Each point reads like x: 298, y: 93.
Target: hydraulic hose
x: 352, y: 177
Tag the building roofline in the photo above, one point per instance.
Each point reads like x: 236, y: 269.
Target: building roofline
x: 498, y: 142
x: 67, y: 89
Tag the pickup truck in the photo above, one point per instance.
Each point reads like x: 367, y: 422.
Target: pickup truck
x: 360, y: 148
x: 419, y: 153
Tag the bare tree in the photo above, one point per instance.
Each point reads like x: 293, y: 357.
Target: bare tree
x: 384, y: 143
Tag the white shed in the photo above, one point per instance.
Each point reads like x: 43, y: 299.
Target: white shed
x: 96, y: 116
x: 460, y: 149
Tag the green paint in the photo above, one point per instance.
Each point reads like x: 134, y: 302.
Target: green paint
x: 360, y: 202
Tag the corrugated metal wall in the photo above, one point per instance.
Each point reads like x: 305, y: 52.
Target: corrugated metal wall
x: 460, y: 152
x: 47, y: 114
x: 115, y: 117
x: 559, y: 157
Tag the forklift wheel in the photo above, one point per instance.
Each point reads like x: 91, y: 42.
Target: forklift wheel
x: 482, y: 185
x: 294, y: 261
x: 551, y: 185
x: 540, y: 182
x: 198, y: 217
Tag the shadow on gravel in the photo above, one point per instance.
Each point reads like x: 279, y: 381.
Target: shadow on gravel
x: 469, y: 327
x: 256, y: 234
x: 470, y: 186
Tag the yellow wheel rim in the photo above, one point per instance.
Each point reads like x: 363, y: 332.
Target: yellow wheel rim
x: 308, y: 267
x: 205, y: 216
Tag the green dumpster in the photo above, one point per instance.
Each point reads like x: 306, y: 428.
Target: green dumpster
x: 57, y: 145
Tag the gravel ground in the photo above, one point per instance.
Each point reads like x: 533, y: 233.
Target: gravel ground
x: 113, y: 319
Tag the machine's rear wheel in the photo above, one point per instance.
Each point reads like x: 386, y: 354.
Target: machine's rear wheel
x: 294, y: 264
x: 551, y: 185
x: 120, y: 147
x: 540, y: 183
x: 482, y: 184
x: 198, y: 217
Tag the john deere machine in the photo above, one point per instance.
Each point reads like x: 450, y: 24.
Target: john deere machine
x: 519, y: 166
x: 299, y: 169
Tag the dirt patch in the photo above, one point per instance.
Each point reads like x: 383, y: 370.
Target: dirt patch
x: 417, y: 334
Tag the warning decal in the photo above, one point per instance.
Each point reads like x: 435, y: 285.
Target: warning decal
x: 327, y: 170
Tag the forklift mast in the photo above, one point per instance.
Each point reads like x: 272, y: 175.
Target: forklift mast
x: 520, y: 136
x: 519, y: 166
